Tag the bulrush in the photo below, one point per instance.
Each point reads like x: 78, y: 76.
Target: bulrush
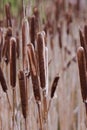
x: 4, y: 85
x: 33, y: 71
x: 82, y: 41
x: 1, y: 44
x: 85, y: 33
x: 34, y: 77
x: 60, y: 36
x: 43, y: 70
x: 82, y: 72
x: 8, y: 15
x: 25, y: 39
x: 13, y: 62
x: 41, y: 58
x: 2, y: 81
x: 36, y: 14
x: 33, y: 30
x: 83, y: 44
x: 18, y: 47
x: 54, y: 85
x: 6, y: 46
x: 22, y: 93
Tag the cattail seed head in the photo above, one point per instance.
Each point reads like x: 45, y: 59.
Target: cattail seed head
x: 33, y: 71
x: 85, y: 33
x: 60, y: 36
x: 22, y: 93
x: 13, y: 62
x: 83, y: 44
x: 1, y: 44
x: 25, y: 39
x: 18, y: 47
x: 8, y: 15
x: 41, y: 58
x: 32, y: 30
x: 54, y: 85
x: 6, y: 46
x: 82, y: 72
x: 2, y: 81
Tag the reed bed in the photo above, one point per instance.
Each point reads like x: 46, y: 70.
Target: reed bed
x: 43, y: 66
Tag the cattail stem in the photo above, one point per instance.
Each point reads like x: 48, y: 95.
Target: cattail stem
x: 25, y: 123
x: 13, y: 109
x: 8, y: 101
x: 39, y: 112
x: 44, y: 106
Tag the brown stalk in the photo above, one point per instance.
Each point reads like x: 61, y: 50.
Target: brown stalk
x: 8, y: 15
x: 82, y: 72
x: 13, y: 62
x: 23, y: 93
x: 6, y: 46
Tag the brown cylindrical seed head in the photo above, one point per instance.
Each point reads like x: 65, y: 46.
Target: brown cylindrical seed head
x: 18, y: 47
x: 25, y: 39
x: 82, y: 72
x: 41, y: 59
x: 8, y: 15
x: 6, y: 46
x: 54, y: 85
x: 33, y: 71
x: 22, y: 93
x: 85, y: 33
x: 1, y: 44
x: 83, y: 44
x: 32, y: 30
x: 60, y: 36
x: 13, y: 62
x: 2, y: 81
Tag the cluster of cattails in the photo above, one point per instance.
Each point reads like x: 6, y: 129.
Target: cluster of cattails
x: 24, y: 56
x: 34, y: 64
